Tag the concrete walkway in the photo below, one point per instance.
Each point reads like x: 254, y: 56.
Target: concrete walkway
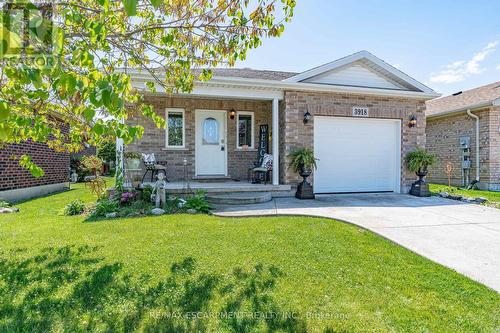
x: 464, y: 237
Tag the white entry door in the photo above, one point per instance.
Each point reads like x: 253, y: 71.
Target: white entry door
x: 357, y: 154
x: 210, y: 143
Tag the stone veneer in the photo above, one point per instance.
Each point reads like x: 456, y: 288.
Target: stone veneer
x: 296, y: 134
x: 154, y: 138
x: 443, y: 135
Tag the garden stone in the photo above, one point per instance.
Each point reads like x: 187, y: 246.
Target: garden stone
x: 111, y: 215
x: 480, y: 200
x: 444, y: 194
x: 157, y: 211
x: 134, y: 214
x: 455, y: 197
x: 7, y: 210
x: 468, y: 200
x: 191, y: 211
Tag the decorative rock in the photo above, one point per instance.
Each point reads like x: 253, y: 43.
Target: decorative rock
x: 480, y: 200
x: 444, y: 194
x: 7, y: 210
x: 157, y: 211
x: 455, y: 197
x: 468, y: 200
x: 182, y: 202
x: 134, y: 214
x: 111, y: 215
x: 191, y: 211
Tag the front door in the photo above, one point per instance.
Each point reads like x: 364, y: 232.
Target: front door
x: 210, y: 142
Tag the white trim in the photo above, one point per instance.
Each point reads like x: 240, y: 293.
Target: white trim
x: 259, y: 89
x: 252, y: 115
x: 356, y: 57
x: 175, y: 110
x: 225, y: 141
x: 276, y: 139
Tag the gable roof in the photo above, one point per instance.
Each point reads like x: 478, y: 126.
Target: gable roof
x: 473, y: 98
x: 249, y: 73
x: 369, y: 62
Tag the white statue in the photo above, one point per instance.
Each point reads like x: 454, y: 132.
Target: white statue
x: 159, y: 190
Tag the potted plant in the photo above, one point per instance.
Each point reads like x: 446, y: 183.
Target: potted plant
x: 132, y: 160
x: 302, y: 162
x: 418, y: 161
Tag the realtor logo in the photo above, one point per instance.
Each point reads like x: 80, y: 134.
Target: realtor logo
x: 26, y: 30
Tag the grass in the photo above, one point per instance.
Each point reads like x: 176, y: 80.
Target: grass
x: 186, y: 273
x: 493, y: 197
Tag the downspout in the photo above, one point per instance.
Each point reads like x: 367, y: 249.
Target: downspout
x: 470, y: 114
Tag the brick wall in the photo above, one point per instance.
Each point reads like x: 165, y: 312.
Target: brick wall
x: 443, y: 135
x: 12, y: 176
x: 296, y: 134
x: 154, y: 138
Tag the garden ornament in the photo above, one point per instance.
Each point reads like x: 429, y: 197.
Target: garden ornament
x: 159, y: 190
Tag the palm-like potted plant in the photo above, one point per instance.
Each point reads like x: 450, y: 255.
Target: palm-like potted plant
x: 418, y: 161
x: 302, y: 161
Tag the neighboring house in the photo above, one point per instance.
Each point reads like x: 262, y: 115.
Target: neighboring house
x: 359, y: 128
x: 16, y: 183
x: 452, y: 136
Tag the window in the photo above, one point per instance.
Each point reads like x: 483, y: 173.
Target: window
x: 175, y: 128
x: 244, y: 130
x: 210, y: 132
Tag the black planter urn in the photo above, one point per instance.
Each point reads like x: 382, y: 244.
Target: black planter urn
x: 305, y: 189
x: 420, y: 188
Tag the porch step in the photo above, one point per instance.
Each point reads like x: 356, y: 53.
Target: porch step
x: 239, y: 198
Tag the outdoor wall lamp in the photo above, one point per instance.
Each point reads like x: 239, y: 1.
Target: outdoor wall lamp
x: 413, y: 121
x: 232, y: 114
x: 307, y: 117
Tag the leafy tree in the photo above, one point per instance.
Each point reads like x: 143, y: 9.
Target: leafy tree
x: 72, y: 68
x: 106, y: 151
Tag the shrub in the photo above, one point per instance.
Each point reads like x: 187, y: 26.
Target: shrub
x: 103, y: 207
x: 107, y: 151
x: 92, y: 164
x: 97, y: 187
x: 198, y: 202
x: 147, y: 191
x: 4, y: 204
x: 75, y: 207
x: 76, y: 164
x: 419, y: 160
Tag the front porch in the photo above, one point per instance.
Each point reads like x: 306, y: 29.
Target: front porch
x: 230, y: 186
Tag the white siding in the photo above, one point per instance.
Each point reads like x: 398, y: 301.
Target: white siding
x: 354, y: 75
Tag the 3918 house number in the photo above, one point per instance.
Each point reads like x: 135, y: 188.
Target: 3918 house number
x: 360, y: 111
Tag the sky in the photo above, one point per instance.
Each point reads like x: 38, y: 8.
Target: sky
x: 448, y: 45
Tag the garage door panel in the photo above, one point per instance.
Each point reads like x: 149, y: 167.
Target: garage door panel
x: 356, y: 155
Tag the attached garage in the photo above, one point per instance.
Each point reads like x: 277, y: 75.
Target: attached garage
x: 357, y: 154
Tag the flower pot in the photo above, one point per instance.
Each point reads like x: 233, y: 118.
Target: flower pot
x: 133, y: 163
x: 420, y: 188
x: 304, y: 190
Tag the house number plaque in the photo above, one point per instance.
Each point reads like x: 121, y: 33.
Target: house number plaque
x: 360, y: 111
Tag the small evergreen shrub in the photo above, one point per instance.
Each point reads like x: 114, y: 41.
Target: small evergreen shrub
x: 75, y: 207
x: 4, y: 204
x: 103, y: 207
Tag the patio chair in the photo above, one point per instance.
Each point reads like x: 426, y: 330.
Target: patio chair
x: 154, y: 166
x: 262, y: 170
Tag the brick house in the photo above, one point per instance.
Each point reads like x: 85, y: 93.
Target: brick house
x: 456, y: 136
x: 360, y: 110
x: 16, y: 183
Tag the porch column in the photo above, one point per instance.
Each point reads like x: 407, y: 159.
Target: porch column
x: 276, y: 149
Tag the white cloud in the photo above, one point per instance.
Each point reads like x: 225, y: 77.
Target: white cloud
x: 498, y: 67
x: 457, y: 71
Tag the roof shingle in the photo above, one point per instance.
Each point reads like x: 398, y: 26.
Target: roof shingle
x: 484, y: 94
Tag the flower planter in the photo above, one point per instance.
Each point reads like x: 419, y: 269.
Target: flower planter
x: 420, y: 188
x: 305, y: 189
x: 133, y: 163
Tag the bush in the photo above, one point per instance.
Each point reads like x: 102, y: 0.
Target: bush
x: 75, y: 207
x: 198, y: 202
x: 147, y: 191
x: 92, y: 164
x: 107, y: 151
x: 4, y: 204
x: 97, y: 187
x: 103, y: 207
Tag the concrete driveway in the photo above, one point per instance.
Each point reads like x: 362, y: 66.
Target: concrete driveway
x: 464, y: 237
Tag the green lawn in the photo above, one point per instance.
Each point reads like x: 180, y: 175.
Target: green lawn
x: 493, y: 197
x: 186, y: 273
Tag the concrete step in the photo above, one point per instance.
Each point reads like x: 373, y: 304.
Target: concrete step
x: 239, y: 198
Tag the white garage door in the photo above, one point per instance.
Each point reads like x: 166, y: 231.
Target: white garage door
x: 357, y: 155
